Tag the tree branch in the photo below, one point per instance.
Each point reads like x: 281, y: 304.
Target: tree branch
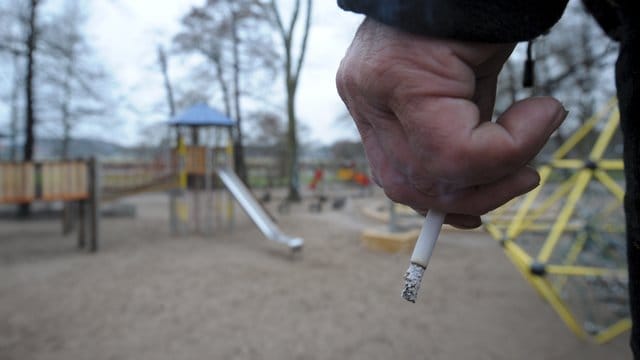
x: 294, y: 19
x: 305, y: 38
x: 276, y: 14
x: 596, y: 60
x: 11, y: 49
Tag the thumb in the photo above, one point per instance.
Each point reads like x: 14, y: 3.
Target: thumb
x: 518, y: 134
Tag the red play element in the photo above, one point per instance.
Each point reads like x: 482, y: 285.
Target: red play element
x: 361, y: 179
x: 317, y: 177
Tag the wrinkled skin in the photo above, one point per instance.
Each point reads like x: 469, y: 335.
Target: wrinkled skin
x: 423, y: 107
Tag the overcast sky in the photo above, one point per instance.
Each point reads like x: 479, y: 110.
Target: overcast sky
x: 126, y: 33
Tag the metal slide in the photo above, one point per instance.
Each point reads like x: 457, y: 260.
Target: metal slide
x: 255, y: 210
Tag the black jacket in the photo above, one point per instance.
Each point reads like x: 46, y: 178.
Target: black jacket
x: 465, y: 19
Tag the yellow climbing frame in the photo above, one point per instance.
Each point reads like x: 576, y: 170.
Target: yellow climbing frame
x: 530, y: 214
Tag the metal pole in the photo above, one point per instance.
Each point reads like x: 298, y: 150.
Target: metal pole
x: 94, y: 200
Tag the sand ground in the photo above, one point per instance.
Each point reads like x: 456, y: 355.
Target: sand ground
x: 234, y: 295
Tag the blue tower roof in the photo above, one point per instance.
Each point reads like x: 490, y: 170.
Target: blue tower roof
x: 201, y: 115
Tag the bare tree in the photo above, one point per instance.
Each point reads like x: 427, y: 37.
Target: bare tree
x: 269, y: 129
x: 14, y: 117
x: 58, y: 64
x: 28, y: 48
x: 11, y: 23
x: 205, y: 32
x: 11, y: 51
x: 32, y: 32
x: 224, y: 33
x: 29, y: 73
x: 164, y: 68
x: 294, y: 54
x: 168, y: 88
x: 71, y: 78
x: 571, y: 63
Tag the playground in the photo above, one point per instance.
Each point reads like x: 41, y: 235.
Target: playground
x: 182, y: 261
x: 234, y: 295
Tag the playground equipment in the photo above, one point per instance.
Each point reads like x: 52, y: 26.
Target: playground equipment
x: 340, y: 180
x: 401, y: 231
x: 566, y: 237
x: 123, y: 179
x: 184, y: 171
x: 196, y: 168
x: 351, y: 174
x: 178, y: 171
x: 73, y: 181
x: 255, y: 211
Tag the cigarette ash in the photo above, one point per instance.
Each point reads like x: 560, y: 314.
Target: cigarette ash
x: 412, y: 280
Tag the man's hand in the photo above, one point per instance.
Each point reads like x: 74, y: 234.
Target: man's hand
x: 423, y: 107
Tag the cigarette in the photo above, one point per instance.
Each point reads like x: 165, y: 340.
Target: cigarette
x: 421, y: 254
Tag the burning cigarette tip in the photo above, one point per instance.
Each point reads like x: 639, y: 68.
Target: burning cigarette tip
x: 412, y: 281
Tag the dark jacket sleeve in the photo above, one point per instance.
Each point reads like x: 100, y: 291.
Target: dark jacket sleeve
x: 472, y: 20
x: 607, y: 16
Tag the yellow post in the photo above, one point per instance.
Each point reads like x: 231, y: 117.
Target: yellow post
x: 230, y: 155
x: 182, y: 209
x: 182, y: 162
x: 558, y: 228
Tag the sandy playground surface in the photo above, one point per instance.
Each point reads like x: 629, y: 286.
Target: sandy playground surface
x: 234, y: 295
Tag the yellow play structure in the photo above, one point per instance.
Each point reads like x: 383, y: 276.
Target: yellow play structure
x: 566, y: 237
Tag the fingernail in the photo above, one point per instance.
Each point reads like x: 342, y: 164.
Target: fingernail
x: 562, y: 114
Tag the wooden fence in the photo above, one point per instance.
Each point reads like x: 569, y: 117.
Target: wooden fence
x: 73, y: 182
x: 22, y: 183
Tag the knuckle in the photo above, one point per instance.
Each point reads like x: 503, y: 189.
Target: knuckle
x: 425, y: 187
x: 345, y: 82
